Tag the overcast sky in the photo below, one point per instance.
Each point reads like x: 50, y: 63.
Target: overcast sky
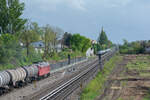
x: 121, y: 19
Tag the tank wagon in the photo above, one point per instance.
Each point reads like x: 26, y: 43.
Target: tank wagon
x: 4, y: 81
x: 17, y: 76
x: 4, y: 78
x: 22, y: 75
x: 32, y: 73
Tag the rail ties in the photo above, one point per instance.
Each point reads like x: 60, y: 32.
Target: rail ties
x: 55, y: 92
x: 67, y: 86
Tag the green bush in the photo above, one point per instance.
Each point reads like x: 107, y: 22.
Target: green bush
x: 80, y: 43
x: 132, y: 48
x: 9, y: 48
x: 10, y: 51
x: 34, y: 56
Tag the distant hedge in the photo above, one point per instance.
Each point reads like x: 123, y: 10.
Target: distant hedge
x: 136, y: 47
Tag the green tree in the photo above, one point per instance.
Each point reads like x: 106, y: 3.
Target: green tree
x: 86, y: 45
x: 10, y: 16
x: 28, y: 36
x: 10, y: 50
x: 109, y: 44
x: 67, y: 39
x: 35, y: 27
x: 47, y: 37
x: 76, y: 42
x: 51, y: 36
x: 135, y: 47
x: 125, y: 42
x: 102, y: 39
x: 80, y: 43
x: 57, y: 37
x: 124, y: 48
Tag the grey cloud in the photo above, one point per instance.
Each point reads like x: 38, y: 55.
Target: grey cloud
x: 121, y: 18
x: 53, y: 4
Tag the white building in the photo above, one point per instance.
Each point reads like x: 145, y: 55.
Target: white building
x: 94, y: 42
x: 90, y: 52
x: 39, y: 46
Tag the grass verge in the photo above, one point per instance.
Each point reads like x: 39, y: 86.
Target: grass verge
x: 140, y: 63
x: 147, y: 97
x: 93, y: 89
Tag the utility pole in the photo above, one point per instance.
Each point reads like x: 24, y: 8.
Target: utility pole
x: 68, y: 59
x: 100, y: 61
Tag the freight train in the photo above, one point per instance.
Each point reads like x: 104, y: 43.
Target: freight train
x: 21, y: 76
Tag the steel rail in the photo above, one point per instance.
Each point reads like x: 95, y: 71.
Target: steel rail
x: 56, y: 92
x: 60, y: 88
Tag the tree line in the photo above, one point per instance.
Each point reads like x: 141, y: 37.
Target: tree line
x: 15, y: 30
x: 135, y: 47
x: 17, y: 35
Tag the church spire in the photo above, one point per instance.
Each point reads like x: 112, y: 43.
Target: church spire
x: 102, y: 29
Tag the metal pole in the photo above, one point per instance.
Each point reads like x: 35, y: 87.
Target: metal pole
x: 100, y: 62
x: 68, y: 59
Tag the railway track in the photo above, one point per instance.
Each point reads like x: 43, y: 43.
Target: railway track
x: 64, y: 88
x: 68, y: 87
x: 24, y: 92
x: 50, y: 87
x: 61, y: 89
